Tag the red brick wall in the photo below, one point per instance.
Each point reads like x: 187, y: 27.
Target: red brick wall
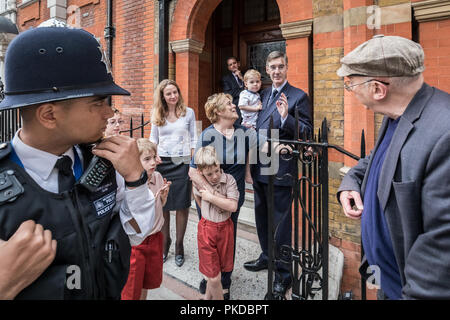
x: 434, y: 37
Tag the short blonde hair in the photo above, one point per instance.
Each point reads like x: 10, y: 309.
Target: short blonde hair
x: 252, y: 73
x: 206, y: 157
x: 146, y: 145
x: 216, y: 103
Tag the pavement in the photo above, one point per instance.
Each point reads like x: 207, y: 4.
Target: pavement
x: 181, y: 283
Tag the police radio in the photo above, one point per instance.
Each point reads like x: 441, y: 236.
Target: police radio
x: 94, y: 174
x: 96, y: 171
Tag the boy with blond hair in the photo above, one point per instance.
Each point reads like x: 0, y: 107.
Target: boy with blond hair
x: 215, y: 234
x: 146, y: 261
x: 249, y: 99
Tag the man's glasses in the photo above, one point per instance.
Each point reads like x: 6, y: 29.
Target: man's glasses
x: 348, y: 85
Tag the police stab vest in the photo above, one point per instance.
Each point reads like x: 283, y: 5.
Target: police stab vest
x: 93, y: 251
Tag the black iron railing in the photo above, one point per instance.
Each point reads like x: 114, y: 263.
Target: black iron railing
x: 307, y: 257
x: 132, y: 128
x: 10, y: 122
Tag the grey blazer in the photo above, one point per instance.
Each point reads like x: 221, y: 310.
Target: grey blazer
x: 414, y: 193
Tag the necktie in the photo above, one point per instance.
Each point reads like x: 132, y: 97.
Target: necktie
x: 272, y: 97
x: 239, y: 81
x: 66, y: 180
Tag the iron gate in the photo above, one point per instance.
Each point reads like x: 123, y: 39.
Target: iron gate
x: 307, y: 257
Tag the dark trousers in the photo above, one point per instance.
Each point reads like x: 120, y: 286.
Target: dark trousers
x: 226, y: 276
x: 282, y: 224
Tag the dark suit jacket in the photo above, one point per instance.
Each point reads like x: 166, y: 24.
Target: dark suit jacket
x: 298, y: 101
x: 414, y: 193
x: 230, y: 86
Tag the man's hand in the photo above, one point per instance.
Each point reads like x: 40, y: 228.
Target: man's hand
x: 123, y: 153
x: 347, y: 199
x: 282, y: 106
x: 238, y: 74
x: 24, y: 257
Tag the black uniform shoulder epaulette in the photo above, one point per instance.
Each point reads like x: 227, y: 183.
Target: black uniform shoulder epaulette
x: 5, y: 149
x: 10, y: 187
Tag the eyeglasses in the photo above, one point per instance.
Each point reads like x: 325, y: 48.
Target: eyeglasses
x: 348, y: 86
x: 280, y: 67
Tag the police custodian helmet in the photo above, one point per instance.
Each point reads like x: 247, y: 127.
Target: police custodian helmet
x: 55, y: 63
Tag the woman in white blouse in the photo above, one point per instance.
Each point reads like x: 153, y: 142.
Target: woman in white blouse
x: 173, y: 130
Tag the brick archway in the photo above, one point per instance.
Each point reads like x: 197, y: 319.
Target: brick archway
x: 187, y: 38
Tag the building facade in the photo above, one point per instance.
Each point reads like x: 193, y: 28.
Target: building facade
x: 316, y: 34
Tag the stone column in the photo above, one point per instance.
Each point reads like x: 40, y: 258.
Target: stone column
x: 296, y: 34
x: 187, y: 53
x: 58, y: 9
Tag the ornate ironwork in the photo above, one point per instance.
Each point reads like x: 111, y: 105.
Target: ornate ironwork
x: 307, y: 257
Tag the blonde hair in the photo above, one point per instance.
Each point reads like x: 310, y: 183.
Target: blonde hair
x: 214, y: 104
x: 146, y: 145
x: 160, y: 107
x: 252, y: 73
x: 206, y: 157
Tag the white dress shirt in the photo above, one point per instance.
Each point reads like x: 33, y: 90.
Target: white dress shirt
x: 139, y: 202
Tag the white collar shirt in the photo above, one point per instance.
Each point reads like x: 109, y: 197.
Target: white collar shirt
x: 139, y: 202
x: 40, y: 165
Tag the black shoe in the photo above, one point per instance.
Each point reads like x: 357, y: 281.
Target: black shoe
x: 179, y: 259
x: 226, y: 295
x: 279, y: 290
x: 255, y: 265
x: 166, y: 252
x: 202, y: 286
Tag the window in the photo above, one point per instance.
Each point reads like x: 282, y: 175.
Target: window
x: 257, y: 55
x: 257, y: 11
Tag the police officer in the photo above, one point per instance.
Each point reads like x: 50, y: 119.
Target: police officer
x: 49, y: 173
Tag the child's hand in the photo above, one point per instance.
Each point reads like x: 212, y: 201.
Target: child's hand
x: 163, y: 192
x: 259, y: 105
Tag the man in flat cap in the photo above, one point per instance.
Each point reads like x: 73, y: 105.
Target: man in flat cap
x: 401, y: 191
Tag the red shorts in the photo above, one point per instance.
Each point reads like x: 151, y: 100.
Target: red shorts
x: 146, y: 265
x: 215, y: 247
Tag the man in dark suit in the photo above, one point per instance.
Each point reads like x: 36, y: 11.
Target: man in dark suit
x: 233, y: 83
x: 281, y: 101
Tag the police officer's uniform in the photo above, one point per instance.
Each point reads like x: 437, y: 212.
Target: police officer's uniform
x: 50, y: 64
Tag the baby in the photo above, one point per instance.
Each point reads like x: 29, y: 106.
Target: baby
x: 249, y: 100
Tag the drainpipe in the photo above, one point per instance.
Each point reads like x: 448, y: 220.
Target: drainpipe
x: 110, y: 34
x: 163, y: 39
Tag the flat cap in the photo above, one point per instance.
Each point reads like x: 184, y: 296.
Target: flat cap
x: 384, y: 56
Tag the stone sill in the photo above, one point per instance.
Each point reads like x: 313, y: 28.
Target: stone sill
x: 26, y: 4
x: 431, y: 10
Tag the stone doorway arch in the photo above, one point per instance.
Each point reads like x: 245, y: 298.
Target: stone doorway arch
x: 187, y: 39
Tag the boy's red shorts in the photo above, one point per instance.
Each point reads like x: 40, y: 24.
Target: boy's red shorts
x: 146, y: 265
x: 215, y: 247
